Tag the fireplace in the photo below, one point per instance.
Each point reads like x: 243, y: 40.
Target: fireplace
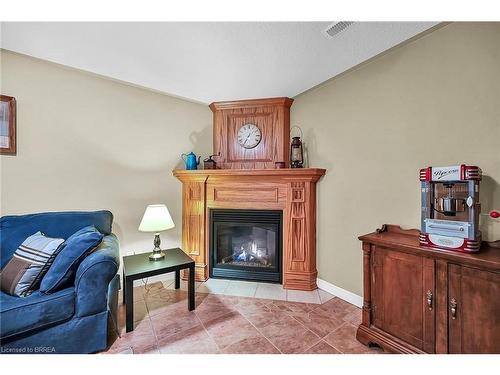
x: 246, y: 244
x: 290, y: 191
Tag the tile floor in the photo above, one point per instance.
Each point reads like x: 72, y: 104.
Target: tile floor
x: 238, y: 317
x: 254, y: 289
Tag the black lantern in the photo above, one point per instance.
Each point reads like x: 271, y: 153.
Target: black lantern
x: 296, y: 153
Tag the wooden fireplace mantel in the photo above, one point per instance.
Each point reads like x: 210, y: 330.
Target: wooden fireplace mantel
x: 290, y: 190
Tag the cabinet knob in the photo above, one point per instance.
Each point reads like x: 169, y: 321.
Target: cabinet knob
x: 429, y: 299
x: 453, y: 308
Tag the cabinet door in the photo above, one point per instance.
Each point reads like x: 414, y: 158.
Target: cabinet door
x: 403, y: 289
x: 473, y: 310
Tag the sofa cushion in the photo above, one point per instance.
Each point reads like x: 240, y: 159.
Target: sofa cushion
x: 24, y: 271
x: 16, y: 228
x: 21, y: 315
x: 62, y: 272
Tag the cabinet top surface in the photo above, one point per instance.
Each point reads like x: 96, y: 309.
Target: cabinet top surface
x: 407, y: 241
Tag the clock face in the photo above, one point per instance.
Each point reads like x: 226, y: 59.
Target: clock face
x: 249, y: 136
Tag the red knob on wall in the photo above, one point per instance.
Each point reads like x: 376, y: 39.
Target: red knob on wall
x: 495, y: 214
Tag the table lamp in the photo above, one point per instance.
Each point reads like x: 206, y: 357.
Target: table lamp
x: 156, y: 219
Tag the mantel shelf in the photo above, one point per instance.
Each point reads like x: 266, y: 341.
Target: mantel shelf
x: 314, y: 173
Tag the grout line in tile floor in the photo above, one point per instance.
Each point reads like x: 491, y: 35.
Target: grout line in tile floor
x: 206, y: 330
x: 149, y: 315
x: 208, y: 333
x: 316, y: 343
x: 258, y: 330
x: 303, y: 325
x: 344, y: 323
x: 152, y: 329
x: 333, y: 346
x: 225, y: 288
x: 293, y: 319
x: 262, y: 334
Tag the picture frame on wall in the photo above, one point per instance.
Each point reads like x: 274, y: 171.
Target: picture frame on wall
x: 7, y: 125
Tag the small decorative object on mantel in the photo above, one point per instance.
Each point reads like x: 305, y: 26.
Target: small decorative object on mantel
x: 296, y: 152
x: 191, y: 161
x: 280, y: 164
x: 210, y: 163
x: 450, y: 207
x: 7, y: 125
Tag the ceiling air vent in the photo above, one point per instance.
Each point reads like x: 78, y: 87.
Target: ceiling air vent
x: 336, y: 28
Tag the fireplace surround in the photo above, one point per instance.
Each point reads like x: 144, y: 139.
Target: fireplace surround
x: 292, y: 191
x: 245, y: 244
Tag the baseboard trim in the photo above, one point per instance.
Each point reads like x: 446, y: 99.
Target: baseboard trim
x: 340, y: 293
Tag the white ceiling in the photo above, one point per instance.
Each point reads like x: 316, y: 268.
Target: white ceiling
x: 209, y: 61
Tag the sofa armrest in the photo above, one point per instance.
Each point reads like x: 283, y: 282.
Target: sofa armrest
x: 94, y: 275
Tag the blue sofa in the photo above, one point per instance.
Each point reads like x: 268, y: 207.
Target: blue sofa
x: 72, y: 320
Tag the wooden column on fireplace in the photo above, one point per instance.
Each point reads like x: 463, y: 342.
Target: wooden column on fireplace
x: 290, y: 190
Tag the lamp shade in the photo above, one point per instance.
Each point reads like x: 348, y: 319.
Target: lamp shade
x: 156, y: 219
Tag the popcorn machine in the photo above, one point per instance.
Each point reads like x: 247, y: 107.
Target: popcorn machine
x: 450, y: 208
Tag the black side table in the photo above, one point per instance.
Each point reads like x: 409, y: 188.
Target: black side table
x: 139, y: 267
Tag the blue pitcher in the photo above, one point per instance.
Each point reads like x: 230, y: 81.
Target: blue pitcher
x: 190, y: 160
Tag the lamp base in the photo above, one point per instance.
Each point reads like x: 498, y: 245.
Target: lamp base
x: 157, y: 255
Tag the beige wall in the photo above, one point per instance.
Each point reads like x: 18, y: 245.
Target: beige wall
x: 85, y: 142
x: 434, y: 101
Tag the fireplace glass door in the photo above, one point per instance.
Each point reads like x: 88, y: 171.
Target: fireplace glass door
x: 246, y: 244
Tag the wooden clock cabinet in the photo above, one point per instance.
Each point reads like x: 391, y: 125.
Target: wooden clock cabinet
x: 272, y: 119
x: 420, y: 300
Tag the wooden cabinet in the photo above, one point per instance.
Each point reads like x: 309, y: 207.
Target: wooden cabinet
x: 401, y: 284
x: 474, y: 310
x: 419, y: 300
